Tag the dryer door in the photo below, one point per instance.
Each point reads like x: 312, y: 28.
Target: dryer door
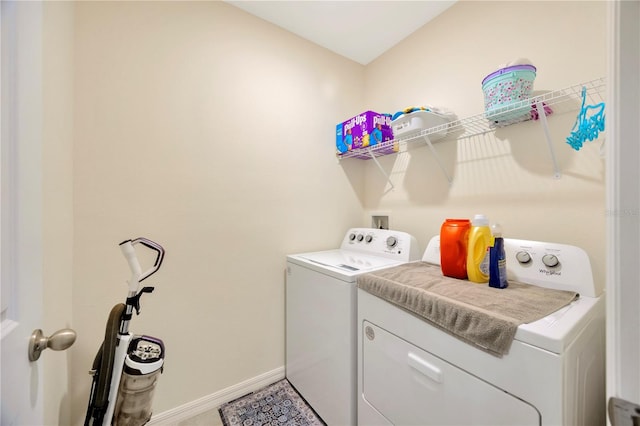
x: 409, y: 386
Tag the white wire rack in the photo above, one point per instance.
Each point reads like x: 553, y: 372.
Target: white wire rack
x: 562, y: 100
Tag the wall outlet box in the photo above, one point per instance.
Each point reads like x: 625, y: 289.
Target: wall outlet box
x: 380, y: 222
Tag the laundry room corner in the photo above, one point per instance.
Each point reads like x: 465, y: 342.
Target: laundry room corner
x: 506, y: 173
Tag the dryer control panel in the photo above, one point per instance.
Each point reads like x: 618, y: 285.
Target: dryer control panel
x: 550, y: 265
x: 382, y: 242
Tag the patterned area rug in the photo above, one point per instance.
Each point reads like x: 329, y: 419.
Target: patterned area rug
x: 277, y: 404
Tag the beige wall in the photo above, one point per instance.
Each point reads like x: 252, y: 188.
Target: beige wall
x: 507, y: 175
x: 209, y: 131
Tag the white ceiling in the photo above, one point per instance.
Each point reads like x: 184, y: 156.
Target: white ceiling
x: 358, y: 30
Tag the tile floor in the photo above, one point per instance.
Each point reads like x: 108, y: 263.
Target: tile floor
x: 208, y: 418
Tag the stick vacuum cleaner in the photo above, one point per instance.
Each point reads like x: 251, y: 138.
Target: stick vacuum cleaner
x: 127, y: 367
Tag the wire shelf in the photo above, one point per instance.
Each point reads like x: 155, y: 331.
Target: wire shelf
x: 487, y: 122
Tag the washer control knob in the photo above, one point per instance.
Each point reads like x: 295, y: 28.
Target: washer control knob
x: 523, y: 257
x: 368, y: 238
x: 392, y: 242
x: 360, y: 238
x: 550, y: 260
x: 352, y: 237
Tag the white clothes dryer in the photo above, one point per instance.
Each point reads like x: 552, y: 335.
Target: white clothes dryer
x: 412, y: 373
x: 321, y: 315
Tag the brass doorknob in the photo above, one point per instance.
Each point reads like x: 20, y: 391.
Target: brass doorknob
x: 58, y: 341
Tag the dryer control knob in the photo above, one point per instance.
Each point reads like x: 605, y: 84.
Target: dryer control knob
x: 392, y: 242
x: 352, y: 237
x: 550, y: 260
x: 360, y: 238
x: 368, y: 238
x: 523, y: 257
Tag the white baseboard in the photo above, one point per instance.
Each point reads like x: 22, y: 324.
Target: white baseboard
x: 215, y: 400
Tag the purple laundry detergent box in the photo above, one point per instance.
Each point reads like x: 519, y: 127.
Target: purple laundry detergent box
x: 366, y: 129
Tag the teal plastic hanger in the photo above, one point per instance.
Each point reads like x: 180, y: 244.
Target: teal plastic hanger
x: 589, y: 123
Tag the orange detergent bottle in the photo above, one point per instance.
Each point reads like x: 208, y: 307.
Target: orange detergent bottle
x: 454, y: 234
x: 478, y: 249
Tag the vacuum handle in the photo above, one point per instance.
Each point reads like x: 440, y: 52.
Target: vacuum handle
x: 129, y: 252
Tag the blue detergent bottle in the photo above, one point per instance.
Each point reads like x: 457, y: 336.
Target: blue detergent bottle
x: 497, y: 259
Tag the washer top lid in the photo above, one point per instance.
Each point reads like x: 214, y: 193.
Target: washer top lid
x: 347, y: 262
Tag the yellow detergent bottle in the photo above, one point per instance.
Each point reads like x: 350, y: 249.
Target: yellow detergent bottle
x: 478, y: 249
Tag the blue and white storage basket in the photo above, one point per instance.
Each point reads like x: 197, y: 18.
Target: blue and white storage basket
x: 506, y: 87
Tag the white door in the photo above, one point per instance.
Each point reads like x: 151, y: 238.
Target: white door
x: 20, y: 211
x: 623, y: 206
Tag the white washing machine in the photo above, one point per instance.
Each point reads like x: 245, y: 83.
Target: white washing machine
x: 321, y: 307
x: 412, y: 373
